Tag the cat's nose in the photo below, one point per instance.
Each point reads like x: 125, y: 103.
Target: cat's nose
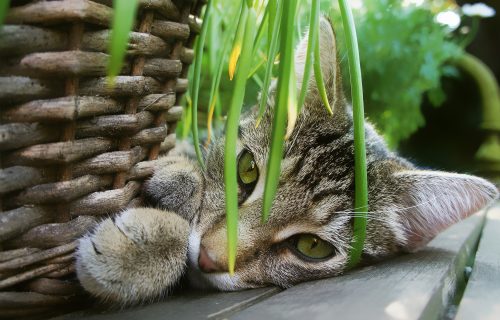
x: 206, y: 263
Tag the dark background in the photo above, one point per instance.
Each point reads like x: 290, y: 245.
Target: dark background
x: 452, y: 134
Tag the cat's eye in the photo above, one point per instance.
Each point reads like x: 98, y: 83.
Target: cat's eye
x: 312, y: 247
x: 248, y: 173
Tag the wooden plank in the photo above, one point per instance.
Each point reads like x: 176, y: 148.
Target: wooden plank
x: 481, y: 299
x: 414, y: 286
x: 189, y: 305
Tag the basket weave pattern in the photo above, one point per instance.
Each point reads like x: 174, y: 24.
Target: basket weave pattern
x: 71, y: 147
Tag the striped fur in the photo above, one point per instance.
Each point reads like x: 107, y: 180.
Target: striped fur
x: 408, y: 207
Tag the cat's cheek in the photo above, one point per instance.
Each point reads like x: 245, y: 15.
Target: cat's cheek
x: 286, y: 269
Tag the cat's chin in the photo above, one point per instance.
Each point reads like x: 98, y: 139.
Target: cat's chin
x: 221, y: 281
x: 216, y: 280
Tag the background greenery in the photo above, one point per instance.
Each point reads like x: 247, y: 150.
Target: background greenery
x: 404, y: 53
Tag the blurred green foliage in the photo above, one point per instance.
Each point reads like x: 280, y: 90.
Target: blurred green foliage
x: 404, y: 55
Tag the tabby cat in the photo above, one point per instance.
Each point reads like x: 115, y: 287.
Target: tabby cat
x: 140, y: 254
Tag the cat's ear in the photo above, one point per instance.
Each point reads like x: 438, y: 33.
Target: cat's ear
x: 431, y: 201
x: 328, y: 63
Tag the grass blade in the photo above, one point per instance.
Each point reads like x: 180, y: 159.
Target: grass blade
x: 237, y: 43
x: 360, y: 179
x: 271, y: 55
x: 186, y: 117
x: 200, y: 42
x: 311, y: 44
x: 274, y: 13
x: 123, y: 21
x: 318, y: 75
x: 280, y: 112
x: 230, y: 171
x: 292, y: 103
x: 4, y: 7
x: 260, y: 32
x: 218, y: 74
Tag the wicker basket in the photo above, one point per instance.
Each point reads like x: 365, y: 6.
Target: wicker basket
x: 71, y: 148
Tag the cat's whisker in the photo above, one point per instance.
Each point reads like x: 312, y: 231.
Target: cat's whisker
x: 387, y: 220
x: 393, y: 210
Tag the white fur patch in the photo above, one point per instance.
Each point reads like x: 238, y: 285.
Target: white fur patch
x: 194, y: 242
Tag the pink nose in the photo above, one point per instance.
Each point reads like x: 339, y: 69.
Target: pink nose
x: 206, y: 263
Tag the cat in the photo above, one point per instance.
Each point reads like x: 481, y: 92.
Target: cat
x: 140, y: 254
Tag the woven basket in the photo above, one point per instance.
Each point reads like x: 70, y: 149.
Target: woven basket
x: 71, y: 148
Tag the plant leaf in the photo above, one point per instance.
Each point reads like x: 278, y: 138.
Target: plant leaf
x: 281, y: 108
x: 230, y: 172
x: 318, y: 74
x: 292, y: 103
x: 200, y: 42
x: 360, y: 174
x: 311, y: 44
x: 123, y: 21
x: 237, y: 43
x: 274, y: 35
x: 218, y: 74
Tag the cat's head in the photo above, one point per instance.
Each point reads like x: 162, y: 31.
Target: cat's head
x: 309, y: 231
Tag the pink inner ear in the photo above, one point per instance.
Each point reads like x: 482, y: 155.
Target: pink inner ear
x: 436, y: 200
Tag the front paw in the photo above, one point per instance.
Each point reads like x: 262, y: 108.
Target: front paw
x: 176, y: 185
x: 135, y: 257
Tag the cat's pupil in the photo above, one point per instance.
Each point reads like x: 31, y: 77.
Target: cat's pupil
x: 251, y: 167
x: 314, y: 243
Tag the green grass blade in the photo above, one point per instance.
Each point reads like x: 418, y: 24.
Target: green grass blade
x: 237, y: 43
x: 200, y: 42
x: 260, y: 32
x: 292, y: 103
x: 213, y: 41
x: 218, y: 74
x: 274, y: 13
x: 186, y: 117
x: 318, y: 75
x: 271, y: 54
x: 123, y: 21
x: 360, y: 179
x: 280, y: 112
x: 311, y: 43
x: 4, y: 7
x: 233, y: 118
x: 256, y: 68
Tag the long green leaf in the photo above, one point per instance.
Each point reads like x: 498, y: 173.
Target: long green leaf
x: 200, y: 42
x: 4, y: 7
x: 260, y: 32
x: 123, y: 21
x: 218, y: 74
x: 271, y: 54
x: 360, y: 179
x: 318, y: 75
x: 230, y: 172
x: 311, y: 44
x: 237, y: 42
x: 186, y: 117
x: 280, y: 112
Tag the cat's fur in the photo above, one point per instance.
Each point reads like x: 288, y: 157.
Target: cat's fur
x: 141, y: 253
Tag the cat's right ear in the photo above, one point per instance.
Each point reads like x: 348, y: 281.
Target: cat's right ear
x: 431, y: 201
x: 329, y: 67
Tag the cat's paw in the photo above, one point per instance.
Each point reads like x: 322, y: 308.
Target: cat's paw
x: 135, y: 257
x: 176, y: 185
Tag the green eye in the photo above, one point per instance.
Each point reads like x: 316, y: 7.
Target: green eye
x: 313, y: 247
x: 248, y: 173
